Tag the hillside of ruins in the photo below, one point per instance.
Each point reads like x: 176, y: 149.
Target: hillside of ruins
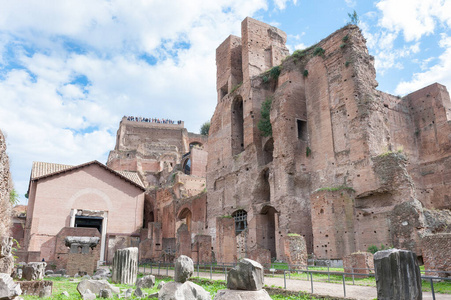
x: 339, y: 167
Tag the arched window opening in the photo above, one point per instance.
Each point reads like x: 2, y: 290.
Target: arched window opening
x: 237, y: 126
x: 240, y: 217
x: 195, y: 144
x: 185, y: 217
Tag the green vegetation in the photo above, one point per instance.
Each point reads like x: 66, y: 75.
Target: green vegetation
x: 336, y: 188
x: 305, y: 73
x: 347, y: 63
x: 236, y: 87
x: 275, y: 72
x: 293, y: 234
x: 308, y: 151
x: 318, y: 51
x: 373, y: 248
x: 345, y: 38
x: 205, y: 128
x: 265, y: 79
x: 299, y: 54
x: 342, y: 45
x: 13, y: 197
x: 264, y: 125
x: 354, y: 18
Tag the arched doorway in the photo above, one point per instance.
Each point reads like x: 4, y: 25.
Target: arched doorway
x: 185, y: 218
x: 266, y: 236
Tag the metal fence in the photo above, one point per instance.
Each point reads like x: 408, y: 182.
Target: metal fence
x: 162, y: 268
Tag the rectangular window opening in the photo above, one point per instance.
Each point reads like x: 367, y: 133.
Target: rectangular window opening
x: 302, y: 129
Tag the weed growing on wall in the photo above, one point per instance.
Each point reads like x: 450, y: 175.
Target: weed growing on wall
x: 264, y: 125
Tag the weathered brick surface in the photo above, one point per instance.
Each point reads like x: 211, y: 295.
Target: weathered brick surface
x: 436, y: 254
x: 359, y: 262
x: 330, y: 129
x: 295, y: 250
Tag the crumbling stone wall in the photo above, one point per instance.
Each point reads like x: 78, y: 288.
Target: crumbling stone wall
x: 331, y: 131
x: 5, y: 189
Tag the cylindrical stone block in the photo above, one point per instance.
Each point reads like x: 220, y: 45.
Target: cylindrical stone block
x: 125, y: 266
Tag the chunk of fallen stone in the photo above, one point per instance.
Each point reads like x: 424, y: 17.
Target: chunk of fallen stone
x: 106, y: 293
x: 186, y: 290
x: 95, y: 286
x: 161, y: 284
x: 88, y: 295
x: 247, y: 275
x: 146, y: 282
x: 139, y: 293
x: 8, y: 288
x: 65, y: 294
x: 184, y: 268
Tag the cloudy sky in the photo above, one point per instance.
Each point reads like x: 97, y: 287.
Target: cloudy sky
x: 69, y: 70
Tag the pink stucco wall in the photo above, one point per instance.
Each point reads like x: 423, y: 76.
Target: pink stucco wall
x: 91, y: 187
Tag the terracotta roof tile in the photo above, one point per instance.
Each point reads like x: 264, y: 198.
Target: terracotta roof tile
x: 42, y: 168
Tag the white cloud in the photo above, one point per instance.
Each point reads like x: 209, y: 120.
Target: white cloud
x: 414, y: 18
x: 47, y: 116
x: 351, y: 3
x: 441, y: 72
x: 282, y: 4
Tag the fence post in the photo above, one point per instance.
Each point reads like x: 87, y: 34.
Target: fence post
x: 151, y: 264
x: 352, y: 270
x: 289, y: 271
x: 311, y: 281
x: 328, y: 274
x: 159, y: 266
x: 307, y: 270
x: 344, y: 286
x: 284, y: 279
x: 144, y: 269
x: 432, y: 289
x: 197, y: 269
x: 211, y: 271
x: 167, y: 269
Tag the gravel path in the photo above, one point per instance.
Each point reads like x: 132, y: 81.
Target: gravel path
x: 319, y: 288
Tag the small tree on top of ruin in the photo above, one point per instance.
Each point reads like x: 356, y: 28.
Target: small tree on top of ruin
x: 205, y: 128
x: 354, y: 18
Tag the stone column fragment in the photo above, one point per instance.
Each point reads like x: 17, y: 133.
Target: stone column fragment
x: 397, y: 275
x: 125, y: 266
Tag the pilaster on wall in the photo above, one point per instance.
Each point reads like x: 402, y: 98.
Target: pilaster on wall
x: 333, y: 223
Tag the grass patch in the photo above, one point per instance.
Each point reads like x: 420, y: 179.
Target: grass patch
x: 336, y: 188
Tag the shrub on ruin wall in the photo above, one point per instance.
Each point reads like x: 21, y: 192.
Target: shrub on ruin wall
x: 264, y: 125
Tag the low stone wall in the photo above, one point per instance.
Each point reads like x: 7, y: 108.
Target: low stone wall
x: 359, y: 262
x: 36, y: 288
x: 436, y: 254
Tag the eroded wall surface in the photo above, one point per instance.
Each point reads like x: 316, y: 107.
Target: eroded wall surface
x: 344, y: 163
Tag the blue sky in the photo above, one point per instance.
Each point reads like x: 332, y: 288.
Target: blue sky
x: 69, y: 70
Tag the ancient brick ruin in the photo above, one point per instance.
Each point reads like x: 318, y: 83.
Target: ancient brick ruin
x: 346, y: 166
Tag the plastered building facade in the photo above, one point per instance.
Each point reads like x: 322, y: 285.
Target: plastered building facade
x: 67, y: 200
